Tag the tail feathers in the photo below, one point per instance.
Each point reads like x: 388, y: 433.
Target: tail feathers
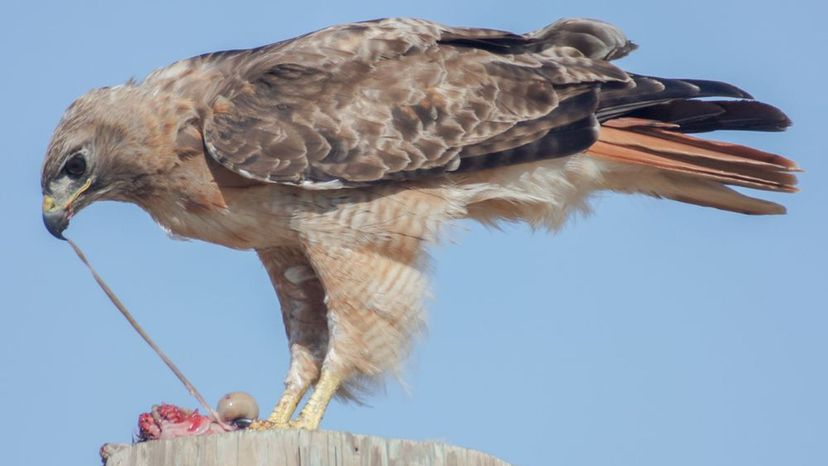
x: 697, y: 170
x: 692, y: 190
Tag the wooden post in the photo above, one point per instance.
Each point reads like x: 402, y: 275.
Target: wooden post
x: 292, y: 448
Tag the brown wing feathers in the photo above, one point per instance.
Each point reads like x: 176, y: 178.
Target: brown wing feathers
x: 589, y: 38
x: 401, y: 99
x: 395, y: 99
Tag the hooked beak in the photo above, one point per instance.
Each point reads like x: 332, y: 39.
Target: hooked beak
x: 56, y: 217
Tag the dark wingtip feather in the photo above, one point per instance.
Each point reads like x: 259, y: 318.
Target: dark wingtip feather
x: 753, y: 115
x: 647, y: 91
x: 718, y: 89
x: 696, y: 116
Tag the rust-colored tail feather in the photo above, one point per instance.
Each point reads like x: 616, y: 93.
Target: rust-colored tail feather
x: 697, y: 170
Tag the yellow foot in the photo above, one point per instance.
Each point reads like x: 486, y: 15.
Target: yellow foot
x: 267, y: 425
x: 311, y: 415
x: 303, y: 424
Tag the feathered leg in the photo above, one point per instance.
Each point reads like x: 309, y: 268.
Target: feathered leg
x: 374, y: 294
x: 304, y: 314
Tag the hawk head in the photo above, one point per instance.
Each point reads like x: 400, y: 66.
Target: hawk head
x: 103, y: 149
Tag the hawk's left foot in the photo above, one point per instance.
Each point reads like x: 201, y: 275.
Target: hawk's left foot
x: 280, y: 417
x: 267, y: 425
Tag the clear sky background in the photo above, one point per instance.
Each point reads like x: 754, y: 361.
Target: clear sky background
x: 651, y: 333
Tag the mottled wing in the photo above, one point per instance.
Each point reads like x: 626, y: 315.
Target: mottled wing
x: 400, y: 98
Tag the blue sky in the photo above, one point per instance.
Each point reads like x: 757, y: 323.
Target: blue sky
x: 651, y: 333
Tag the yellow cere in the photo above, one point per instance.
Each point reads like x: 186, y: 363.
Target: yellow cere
x: 48, y: 203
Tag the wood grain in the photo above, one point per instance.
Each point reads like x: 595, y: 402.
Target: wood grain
x: 294, y: 448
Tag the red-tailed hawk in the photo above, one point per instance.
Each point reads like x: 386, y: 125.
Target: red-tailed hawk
x: 340, y: 155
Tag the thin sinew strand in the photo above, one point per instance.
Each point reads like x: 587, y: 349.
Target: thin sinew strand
x: 118, y: 304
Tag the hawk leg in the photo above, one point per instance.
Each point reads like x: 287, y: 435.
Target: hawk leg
x: 372, y: 298
x: 304, y: 314
x: 350, y: 307
x: 301, y: 374
x: 311, y: 414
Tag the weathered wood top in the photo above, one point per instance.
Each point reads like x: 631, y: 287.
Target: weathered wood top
x: 294, y: 448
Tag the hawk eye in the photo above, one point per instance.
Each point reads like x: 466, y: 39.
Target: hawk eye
x: 75, y: 167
